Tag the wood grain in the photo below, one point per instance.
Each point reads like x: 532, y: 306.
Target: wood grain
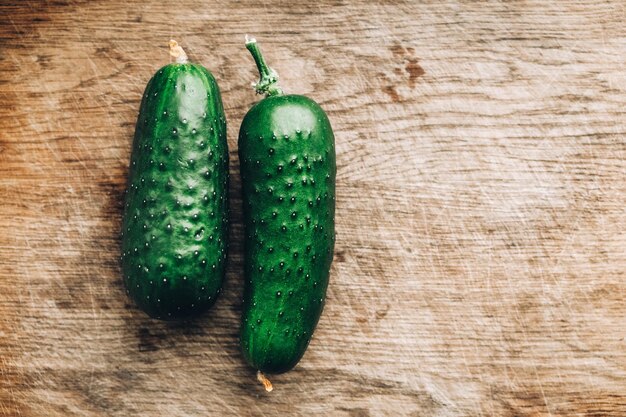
x: 481, y: 253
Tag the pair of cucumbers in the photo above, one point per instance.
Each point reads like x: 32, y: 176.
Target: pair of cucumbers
x: 175, y: 223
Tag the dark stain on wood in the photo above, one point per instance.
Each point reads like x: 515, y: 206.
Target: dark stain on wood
x: 414, y: 70
x: 390, y: 90
x: 408, y: 64
x: 382, y: 313
x: 397, y: 50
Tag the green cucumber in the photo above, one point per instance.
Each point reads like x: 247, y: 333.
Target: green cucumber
x: 175, y: 223
x: 287, y: 157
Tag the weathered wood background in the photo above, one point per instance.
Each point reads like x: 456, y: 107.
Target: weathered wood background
x: 480, y: 266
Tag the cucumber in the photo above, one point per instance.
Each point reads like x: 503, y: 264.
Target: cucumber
x: 287, y: 157
x: 175, y: 223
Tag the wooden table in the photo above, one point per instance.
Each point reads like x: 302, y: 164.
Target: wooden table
x: 481, y: 254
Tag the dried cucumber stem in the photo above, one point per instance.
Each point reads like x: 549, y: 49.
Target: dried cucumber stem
x: 263, y: 380
x: 177, y: 52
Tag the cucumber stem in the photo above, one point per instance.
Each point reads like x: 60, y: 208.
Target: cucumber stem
x: 177, y: 52
x: 268, y: 82
x: 263, y: 380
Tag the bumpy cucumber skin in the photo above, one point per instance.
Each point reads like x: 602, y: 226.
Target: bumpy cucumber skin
x: 175, y: 224
x: 287, y: 157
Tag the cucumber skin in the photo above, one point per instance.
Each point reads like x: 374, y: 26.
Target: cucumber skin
x: 175, y: 223
x: 282, y: 304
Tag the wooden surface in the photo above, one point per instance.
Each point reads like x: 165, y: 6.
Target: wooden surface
x: 481, y: 253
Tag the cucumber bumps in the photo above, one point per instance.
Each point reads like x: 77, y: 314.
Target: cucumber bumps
x: 287, y: 157
x: 175, y: 224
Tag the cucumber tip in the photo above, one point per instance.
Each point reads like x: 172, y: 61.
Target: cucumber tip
x: 177, y: 52
x: 267, y: 384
